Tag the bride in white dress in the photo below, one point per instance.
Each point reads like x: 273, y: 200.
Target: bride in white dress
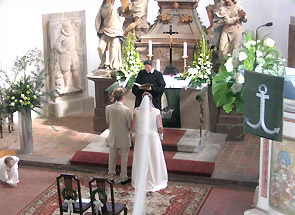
x: 149, y: 171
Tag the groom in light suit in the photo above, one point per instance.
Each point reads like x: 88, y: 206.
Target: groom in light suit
x: 119, y: 119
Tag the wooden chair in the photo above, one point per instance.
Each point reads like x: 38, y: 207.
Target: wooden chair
x: 69, y: 193
x: 109, y: 208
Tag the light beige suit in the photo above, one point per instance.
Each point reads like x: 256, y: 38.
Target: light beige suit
x: 119, y: 119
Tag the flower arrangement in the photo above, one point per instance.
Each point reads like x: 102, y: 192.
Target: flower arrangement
x: 228, y: 83
x: 132, y: 64
x: 24, y: 83
x: 201, y: 70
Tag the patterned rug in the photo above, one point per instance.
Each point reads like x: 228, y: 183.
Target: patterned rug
x: 176, y: 199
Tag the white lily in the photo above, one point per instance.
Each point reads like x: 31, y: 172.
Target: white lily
x: 239, y: 78
x: 269, y: 42
x: 242, y: 56
x: 259, y: 53
x: 229, y: 65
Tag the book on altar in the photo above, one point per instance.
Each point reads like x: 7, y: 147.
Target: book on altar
x: 143, y: 85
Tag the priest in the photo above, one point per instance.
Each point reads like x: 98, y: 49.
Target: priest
x: 149, y: 80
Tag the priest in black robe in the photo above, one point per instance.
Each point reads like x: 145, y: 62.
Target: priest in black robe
x: 149, y: 76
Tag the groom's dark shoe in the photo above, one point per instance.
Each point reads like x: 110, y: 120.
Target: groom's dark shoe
x: 126, y: 181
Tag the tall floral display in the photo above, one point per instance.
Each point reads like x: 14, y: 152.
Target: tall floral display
x: 23, y: 93
x: 201, y: 70
x: 228, y: 83
x: 131, y: 64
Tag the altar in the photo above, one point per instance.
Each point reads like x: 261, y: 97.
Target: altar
x: 184, y: 107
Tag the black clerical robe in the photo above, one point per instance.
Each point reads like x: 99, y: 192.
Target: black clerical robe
x: 156, y: 79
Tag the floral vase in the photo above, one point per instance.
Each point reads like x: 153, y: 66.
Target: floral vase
x: 25, y: 131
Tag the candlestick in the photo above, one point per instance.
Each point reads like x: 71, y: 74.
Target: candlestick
x: 185, y: 49
x: 149, y: 57
x: 150, y: 48
x: 158, y: 67
x: 184, y: 63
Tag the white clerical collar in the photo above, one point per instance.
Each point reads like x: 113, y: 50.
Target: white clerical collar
x: 153, y: 70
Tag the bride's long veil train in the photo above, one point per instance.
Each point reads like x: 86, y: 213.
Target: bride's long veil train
x: 143, y: 121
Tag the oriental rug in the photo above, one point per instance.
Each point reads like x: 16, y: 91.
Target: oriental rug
x: 176, y: 199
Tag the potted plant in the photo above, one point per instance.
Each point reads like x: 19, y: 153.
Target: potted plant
x: 23, y: 93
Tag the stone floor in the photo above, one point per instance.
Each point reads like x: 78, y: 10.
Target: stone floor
x: 235, y: 174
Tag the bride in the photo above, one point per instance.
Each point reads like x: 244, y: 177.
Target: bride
x: 149, y: 172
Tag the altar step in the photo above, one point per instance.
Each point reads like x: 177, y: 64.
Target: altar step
x: 185, y: 152
x: 230, y: 124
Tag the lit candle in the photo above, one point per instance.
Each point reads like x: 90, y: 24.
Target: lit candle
x: 150, y: 48
x: 158, y: 68
x: 107, y: 62
x: 184, y: 49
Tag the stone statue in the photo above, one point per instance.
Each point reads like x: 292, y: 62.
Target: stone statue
x: 67, y: 67
x: 232, y: 15
x: 109, y: 27
x: 135, y: 17
x: 215, y: 28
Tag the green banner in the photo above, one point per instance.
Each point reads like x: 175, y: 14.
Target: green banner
x: 263, y: 105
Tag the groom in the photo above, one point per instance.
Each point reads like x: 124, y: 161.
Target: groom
x: 119, y: 119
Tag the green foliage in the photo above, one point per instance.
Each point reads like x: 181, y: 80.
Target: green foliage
x: 201, y: 70
x: 131, y: 63
x: 25, y: 83
x: 228, y: 84
x: 223, y: 93
x: 268, y: 58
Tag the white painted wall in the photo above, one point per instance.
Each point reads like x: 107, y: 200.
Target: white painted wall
x: 21, y: 24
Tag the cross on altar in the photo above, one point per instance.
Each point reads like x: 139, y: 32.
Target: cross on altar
x: 170, y: 69
x: 170, y: 34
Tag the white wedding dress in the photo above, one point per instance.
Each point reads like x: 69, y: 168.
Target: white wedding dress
x: 148, y: 159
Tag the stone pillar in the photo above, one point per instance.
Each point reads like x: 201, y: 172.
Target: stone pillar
x: 101, y: 82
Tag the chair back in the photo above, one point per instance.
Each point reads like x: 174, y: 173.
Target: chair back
x: 98, y: 186
x: 68, y: 192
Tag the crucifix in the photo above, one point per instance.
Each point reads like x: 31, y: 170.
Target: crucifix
x: 170, y: 34
x: 170, y: 69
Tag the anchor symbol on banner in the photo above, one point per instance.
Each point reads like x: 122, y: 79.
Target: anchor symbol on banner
x: 261, y: 122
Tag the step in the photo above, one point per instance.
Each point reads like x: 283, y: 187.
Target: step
x: 178, y: 166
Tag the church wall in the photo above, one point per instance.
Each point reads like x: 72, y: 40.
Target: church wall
x: 276, y: 11
x: 21, y: 24
x: 21, y: 28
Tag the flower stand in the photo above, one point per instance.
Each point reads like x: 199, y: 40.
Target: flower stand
x: 25, y: 131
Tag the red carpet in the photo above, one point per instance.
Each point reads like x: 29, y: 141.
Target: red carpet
x: 186, y: 167
x: 171, y: 138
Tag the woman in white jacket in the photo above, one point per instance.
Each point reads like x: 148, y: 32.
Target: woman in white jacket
x: 9, y: 170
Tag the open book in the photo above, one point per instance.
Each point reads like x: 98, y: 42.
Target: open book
x: 143, y: 85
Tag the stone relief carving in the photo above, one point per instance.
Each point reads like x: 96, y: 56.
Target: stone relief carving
x: 67, y: 54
